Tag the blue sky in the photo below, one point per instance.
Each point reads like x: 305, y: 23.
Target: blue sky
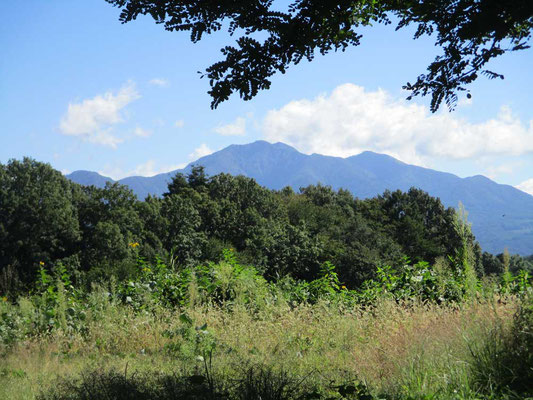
x: 82, y: 91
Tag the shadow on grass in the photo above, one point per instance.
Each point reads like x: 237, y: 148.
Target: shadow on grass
x: 256, y: 382
x: 113, y: 385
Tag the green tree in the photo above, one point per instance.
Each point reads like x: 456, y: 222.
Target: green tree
x: 355, y: 244
x: 197, y: 178
x: 495, y: 264
x: 177, y: 185
x: 361, y: 249
x: 110, y: 223
x: 272, y: 38
x: 154, y: 226
x: 422, y: 226
x: 183, y: 237
x: 491, y: 264
x: 38, y: 220
x: 244, y: 209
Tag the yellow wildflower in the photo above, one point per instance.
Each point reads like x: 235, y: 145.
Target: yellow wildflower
x: 133, y: 245
x: 41, y: 263
x: 4, y: 299
x: 343, y: 287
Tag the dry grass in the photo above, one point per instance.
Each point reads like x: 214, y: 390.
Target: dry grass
x: 413, y: 347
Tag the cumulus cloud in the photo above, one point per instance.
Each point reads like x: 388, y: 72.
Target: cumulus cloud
x: 92, y: 119
x: 236, y: 128
x: 351, y: 120
x: 104, y: 138
x: 159, y: 82
x: 140, y: 132
x: 526, y: 186
x: 200, y: 152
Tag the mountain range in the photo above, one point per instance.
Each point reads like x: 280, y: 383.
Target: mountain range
x: 501, y: 215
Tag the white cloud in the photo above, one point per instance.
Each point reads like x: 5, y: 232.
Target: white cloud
x: 140, y: 132
x: 104, y: 138
x: 93, y: 118
x: 159, y: 82
x: 351, y: 120
x: 200, y: 152
x: 495, y: 171
x: 526, y: 186
x: 145, y: 169
x: 236, y: 128
x: 179, y: 123
x: 113, y: 172
x: 148, y: 168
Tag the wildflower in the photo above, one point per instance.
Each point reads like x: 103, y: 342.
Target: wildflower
x: 41, y: 263
x: 133, y: 245
x: 4, y: 299
x: 343, y: 287
x: 146, y: 269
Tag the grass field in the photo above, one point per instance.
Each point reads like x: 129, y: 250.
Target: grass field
x: 394, y: 350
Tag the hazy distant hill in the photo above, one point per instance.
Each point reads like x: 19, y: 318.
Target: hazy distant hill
x: 89, y: 178
x: 501, y: 215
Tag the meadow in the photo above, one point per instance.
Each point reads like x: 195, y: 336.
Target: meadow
x: 222, y: 331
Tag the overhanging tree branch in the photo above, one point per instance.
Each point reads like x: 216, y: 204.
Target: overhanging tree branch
x: 470, y: 33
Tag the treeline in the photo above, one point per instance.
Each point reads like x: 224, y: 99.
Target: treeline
x: 45, y: 219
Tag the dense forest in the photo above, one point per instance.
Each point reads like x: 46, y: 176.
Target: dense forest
x: 98, y: 233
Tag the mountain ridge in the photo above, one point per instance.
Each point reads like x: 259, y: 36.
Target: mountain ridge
x: 501, y: 215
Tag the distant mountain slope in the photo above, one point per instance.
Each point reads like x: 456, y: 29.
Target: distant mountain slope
x: 501, y: 215
x: 89, y: 178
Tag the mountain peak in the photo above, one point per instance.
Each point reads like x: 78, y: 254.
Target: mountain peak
x: 371, y: 155
x: 89, y: 178
x: 259, y: 145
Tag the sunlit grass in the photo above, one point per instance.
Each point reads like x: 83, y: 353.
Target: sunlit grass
x: 394, y: 348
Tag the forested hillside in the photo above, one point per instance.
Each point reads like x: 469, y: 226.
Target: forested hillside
x: 101, y: 232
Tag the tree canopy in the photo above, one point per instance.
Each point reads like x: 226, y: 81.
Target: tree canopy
x: 48, y: 221
x: 272, y: 36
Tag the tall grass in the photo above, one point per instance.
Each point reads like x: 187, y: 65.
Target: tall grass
x: 419, y: 350
x: 223, y: 331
